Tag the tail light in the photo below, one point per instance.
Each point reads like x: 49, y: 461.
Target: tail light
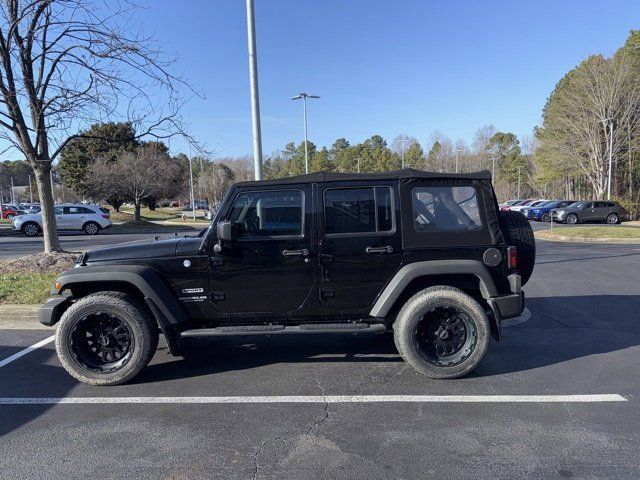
x: 105, y: 215
x: 512, y: 257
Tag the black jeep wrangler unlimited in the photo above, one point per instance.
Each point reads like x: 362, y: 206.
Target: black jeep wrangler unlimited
x: 426, y: 255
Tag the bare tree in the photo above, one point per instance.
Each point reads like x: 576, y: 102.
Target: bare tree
x: 65, y: 64
x: 577, y: 113
x: 215, y: 180
x: 135, y: 176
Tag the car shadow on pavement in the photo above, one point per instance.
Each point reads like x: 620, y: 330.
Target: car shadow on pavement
x: 561, y: 329
x: 565, y: 328
x: 212, y: 355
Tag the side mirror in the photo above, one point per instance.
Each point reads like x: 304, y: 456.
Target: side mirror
x: 225, y: 231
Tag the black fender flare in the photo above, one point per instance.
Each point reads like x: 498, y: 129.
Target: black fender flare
x: 161, y: 300
x: 410, y: 272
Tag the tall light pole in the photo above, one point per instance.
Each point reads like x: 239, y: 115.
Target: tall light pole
x: 358, y: 164
x: 255, y: 97
x: 458, y: 150
x: 304, y: 97
x: 493, y: 168
x: 30, y: 190
x: 193, y: 200
x: 403, y: 143
x: 609, y: 122
x: 519, y: 167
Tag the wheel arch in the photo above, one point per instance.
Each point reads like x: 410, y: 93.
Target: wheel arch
x: 141, y: 282
x: 470, y: 276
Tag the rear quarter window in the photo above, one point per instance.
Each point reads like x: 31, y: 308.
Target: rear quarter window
x: 445, y: 208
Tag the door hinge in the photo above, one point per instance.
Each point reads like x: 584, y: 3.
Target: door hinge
x: 217, y: 296
x: 326, y: 293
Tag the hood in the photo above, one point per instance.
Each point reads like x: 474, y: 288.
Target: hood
x: 145, y: 249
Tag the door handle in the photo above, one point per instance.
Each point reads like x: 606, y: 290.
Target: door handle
x: 387, y: 249
x: 296, y: 253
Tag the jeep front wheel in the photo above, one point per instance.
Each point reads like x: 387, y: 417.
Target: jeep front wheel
x: 106, y: 338
x: 442, y: 332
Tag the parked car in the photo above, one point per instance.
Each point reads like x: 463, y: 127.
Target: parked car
x: 10, y: 211
x: 88, y: 218
x: 542, y: 213
x: 507, y: 208
x: 589, y: 211
x: 509, y: 203
x: 524, y: 206
x: 424, y: 255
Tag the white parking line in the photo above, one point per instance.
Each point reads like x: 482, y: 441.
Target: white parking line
x: 611, y: 397
x: 30, y: 349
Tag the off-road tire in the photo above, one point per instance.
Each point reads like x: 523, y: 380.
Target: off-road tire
x: 126, y: 307
x: 411, y: 315
x: 27, y: 229
x: 91, y: 228
x: 520, y: 235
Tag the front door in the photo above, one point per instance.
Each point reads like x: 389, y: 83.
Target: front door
x: 588, y: 212
x: 270, y: 266
x: 359, y: 245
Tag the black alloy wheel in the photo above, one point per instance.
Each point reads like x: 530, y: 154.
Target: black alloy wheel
x: 101, y: 342
x: 445, y: 336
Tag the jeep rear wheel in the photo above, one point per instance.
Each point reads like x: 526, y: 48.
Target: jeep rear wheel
x: 520, y: 235
x: 442, y: 332
x: 106, y: 338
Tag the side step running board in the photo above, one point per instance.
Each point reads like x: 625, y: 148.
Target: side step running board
x: 282, y: 329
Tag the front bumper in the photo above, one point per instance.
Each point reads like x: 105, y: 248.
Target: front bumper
x: 52, y: 309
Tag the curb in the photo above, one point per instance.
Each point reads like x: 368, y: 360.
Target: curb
x: 562, y: 238
x: 20, y: 317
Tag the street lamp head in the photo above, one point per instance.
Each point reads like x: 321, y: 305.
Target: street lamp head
x: 304, y: 95
x: 297, y: 97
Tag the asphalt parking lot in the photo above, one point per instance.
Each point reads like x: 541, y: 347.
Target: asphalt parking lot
x: 583, y: 339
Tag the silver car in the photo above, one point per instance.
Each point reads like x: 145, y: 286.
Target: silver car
x: 88, y: 218
x: 589, y: 211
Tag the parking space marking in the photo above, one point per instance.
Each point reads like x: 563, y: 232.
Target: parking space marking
x: 30, y: 349
x: 609, y: 397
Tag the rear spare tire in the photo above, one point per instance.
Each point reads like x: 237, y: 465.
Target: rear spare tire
x: 520, y: 235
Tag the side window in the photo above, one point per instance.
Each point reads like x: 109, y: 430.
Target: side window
x: 71, y: 210
x: 85, y: 210
x: 268, y: 213
x: 358, y: 210
x: 445, y: 208
x: 600, y: 204
x: 58, y: 210
x: 610, y: 204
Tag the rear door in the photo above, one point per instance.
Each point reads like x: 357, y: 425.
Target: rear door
x: 600, y: 210
x: 359, y: 244
x: 74, y: 217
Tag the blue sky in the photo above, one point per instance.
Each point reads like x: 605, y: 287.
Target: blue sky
x: 381, y: 67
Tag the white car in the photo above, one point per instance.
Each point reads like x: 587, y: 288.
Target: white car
x: 88, y: 218
x: 527, y: 205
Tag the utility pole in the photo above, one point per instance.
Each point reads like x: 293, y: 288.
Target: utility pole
x: 304, y: 97
x: 255, y: 97
x: 13, y: 193
x: 458, y: 150
x: 493, y: 168
x: 519, y: 167
x: 358, y: 164
x: 193, y: 200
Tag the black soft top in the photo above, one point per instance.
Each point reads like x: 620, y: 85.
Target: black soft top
x: 406, y: 173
